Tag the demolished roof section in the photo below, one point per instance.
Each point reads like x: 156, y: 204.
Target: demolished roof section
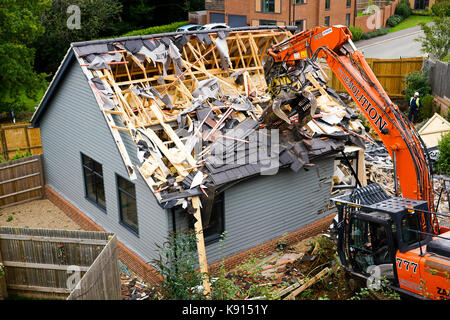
x: 198, y: 108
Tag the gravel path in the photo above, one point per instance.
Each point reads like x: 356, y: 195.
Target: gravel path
x: 37, y: 214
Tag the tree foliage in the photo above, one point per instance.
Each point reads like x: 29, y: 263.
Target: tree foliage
x: 437, y: 36
x: 441, y: 8
x: 19, y: 27
x: 426, y: 111
x: 403, y: 9
x: 443, y: 160
x: 103, y: 19
x: 417, y: 82
x: 97, y: 18
x: 357, y: 32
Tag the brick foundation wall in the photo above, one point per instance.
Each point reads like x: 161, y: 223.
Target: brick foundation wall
x: 270, y: 246
x: 150, y: 274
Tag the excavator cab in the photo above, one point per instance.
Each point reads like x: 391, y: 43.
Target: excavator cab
x: 382, y: 236
x: 371, y: 242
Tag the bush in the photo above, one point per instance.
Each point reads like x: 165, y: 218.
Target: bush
x: 416, y: 81
x: 427, y: 107
x: 157, y: 29
x: 426, y: 12
x: 403, y: 9
x: 356, y: 32
x: 19, y: 154
x: 441, y: 8
x: 394, y: 20
x: 375, y: 33
x: 443, y: 160
x: 177, y: 264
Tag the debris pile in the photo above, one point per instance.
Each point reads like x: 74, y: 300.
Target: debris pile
x: 134, y: 289
x: 379, y: 166
x: 441, y: 185
x: 207, y: 108
x: 306, y: 270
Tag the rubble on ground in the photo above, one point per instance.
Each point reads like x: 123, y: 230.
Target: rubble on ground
x: 133, y: 288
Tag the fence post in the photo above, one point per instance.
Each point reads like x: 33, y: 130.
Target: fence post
x: 3, y: 289
x: 27, y: 136
x: 3, y: 140
x: 41, y: 168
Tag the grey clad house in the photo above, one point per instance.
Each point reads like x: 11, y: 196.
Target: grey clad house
x: 84, y: 164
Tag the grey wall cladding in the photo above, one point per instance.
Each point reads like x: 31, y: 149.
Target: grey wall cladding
x: 72, y: 124
x: 267, y: 207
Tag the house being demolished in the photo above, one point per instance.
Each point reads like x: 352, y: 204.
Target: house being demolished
x: 199, y: 110
x: 205, y: 110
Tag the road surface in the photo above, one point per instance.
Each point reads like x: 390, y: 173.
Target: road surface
x: 393, y: 45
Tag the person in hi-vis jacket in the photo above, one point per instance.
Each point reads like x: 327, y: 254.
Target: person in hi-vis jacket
x: 414, y: 105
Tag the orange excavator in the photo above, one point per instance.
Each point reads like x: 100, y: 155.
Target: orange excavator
x: 379, y: 236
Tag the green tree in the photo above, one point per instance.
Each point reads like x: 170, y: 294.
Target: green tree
x: 19, y: 27
x: 441, y: 8
x: 416, y: 82
x: 443, y: 160
x: 437, y: 35
x: 96, y: 19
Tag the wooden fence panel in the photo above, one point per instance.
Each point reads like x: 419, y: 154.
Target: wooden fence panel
x: 15, y: 137
x: 39, y: 262
x: 102, y: 280
x: 21, y: 180
x: 389, y: 72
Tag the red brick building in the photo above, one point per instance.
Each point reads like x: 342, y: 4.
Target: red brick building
x: 303, y: 13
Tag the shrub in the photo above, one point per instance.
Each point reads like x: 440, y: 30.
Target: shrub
x: 426, y: 12
x: 403, y: 9
x: 177, y: 264
x: 356, y: 32
x: 416, y: 81
x: 443, y: 160
x: 394, y: 20
x: 441, y: 8
x: 19, y: 154
x: 157, y: 29
x: 426, y: 111
x: 375, y: 33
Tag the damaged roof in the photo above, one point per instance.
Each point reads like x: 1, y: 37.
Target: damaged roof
x: 202, y: 110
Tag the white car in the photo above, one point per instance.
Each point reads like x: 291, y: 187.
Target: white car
x: 214, y: 26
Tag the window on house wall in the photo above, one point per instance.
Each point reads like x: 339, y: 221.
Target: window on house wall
x: 300, y: 24
x: 349, y: 3
x: 214, y: 223
x: 93, y: 181
x: 327, y: 4
x: 268, y: 6
x: 327, y: 21
x: 267, y: 23
x: 347, y: 19
x: 127, y: 204
x: 213, y: 218
x: 299, y: 1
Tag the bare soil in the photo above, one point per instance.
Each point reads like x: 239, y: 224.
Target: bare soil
x: 41, y: 214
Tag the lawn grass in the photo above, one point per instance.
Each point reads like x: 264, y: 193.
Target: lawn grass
x: 410, y: 22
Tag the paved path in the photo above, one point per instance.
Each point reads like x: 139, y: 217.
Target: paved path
x: 393, y: 45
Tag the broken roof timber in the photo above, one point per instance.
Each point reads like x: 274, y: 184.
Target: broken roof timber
x: 177, y: 94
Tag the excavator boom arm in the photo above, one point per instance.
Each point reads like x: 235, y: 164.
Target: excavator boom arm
x: 349, y: 65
